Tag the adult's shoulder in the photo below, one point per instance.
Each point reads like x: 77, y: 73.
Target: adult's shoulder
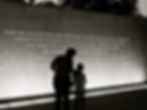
x: 59, y: 57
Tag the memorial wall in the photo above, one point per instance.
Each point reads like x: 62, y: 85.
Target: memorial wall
x: 109, y: 46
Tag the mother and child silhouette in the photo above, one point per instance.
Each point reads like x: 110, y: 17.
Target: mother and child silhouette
x: 66, y: 77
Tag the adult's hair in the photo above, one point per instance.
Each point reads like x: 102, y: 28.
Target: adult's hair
x: 70, y: 52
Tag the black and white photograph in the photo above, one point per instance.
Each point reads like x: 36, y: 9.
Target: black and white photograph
x: 73, y: 54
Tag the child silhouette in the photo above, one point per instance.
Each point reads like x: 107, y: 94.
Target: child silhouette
x: 80, y: 81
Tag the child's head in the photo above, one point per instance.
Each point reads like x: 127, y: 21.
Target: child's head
x: 80, y: 67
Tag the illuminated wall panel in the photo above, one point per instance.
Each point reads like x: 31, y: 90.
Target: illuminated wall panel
x: 110, y: 47
x: 26, y: 56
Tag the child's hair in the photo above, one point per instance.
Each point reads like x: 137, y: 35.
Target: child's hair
x: 80, y: 66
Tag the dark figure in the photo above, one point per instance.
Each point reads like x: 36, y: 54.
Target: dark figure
x: 80, y: 81
x: 128, y: 6
x: 79, y: 4
x: 125, y: 7
x: 63, y: 67
x: 99, y: 5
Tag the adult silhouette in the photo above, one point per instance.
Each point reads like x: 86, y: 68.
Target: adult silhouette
x: 62, y: 66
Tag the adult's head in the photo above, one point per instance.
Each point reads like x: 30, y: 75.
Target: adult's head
x: 70, y: 53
